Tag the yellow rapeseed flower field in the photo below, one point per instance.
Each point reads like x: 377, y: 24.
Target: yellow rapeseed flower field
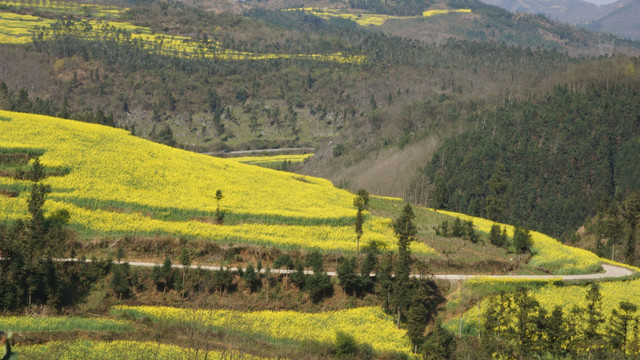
x: 118, y: 183
x: 19, y: 29
x: 66, y: 7
x: 122, y: 350
x: 61, y: 323
x: 368, y: 325
x: 364, y: 19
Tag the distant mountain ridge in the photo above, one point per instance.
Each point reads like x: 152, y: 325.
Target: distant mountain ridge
x: 624, y: 21
x: 620, y: 18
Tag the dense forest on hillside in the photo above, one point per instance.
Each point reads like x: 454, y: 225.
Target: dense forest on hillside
x: 548, y: 162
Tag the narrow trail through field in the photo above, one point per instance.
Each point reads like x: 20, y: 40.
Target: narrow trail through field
x: 610, y: 272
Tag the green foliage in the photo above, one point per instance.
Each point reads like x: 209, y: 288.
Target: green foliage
x: 219, y: 213
x: 620, y: 326
x: 404, y: 228
x: 457, y: 230
x: 165, y: 136
x: 360, y: 202
x: 345, y: 346
x: 522, y: 240
x: 593, y: 317
x: 298, y: 277
x: 439, y: 344
x: 440, y: 197
x: 510, y: 338
x: 349, y: 281
x: 368, y: 266
x: 405, y: 231
x: 385, y: 279
x: 251, y: 278
x: 339, y: 150
x: 318, y: 286
x: 497, y: 187
x: 315, y: 261
x: 120, y: 280
x: 470, y: 232
x: 223, y: 280
x: 283, y: 261
x: 495, y: 237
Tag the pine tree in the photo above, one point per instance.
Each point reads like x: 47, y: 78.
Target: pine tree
x: 349, y: 281
x: 361, y: 202
x: 385, y: 279
x: 219, y: 214
x: 557, y: 333
x: 457, y: 230
x: 368, y: 266
x: 251, y: 278
x: 166, y: 273
x: 470, y: 232
x: 620, y: 325
x: 593, y: 318
x: 318, y: 285
x: 522, y: 240
x: 120, y: 280
x: 298, y: 276
x: 405, y: 231
x: 416, y: 322
x: 495, y: 237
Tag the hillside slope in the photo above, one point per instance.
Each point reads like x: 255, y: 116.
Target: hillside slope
x: 114, y: 183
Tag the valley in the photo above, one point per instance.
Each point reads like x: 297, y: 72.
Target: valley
x: 342, y: 180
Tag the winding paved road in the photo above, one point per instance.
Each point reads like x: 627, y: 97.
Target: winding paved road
x: 610, y: 272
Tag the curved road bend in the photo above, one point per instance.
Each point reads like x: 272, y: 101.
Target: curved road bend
x: 610, y: 271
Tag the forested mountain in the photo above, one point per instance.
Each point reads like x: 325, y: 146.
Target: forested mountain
x: 547, y: 162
